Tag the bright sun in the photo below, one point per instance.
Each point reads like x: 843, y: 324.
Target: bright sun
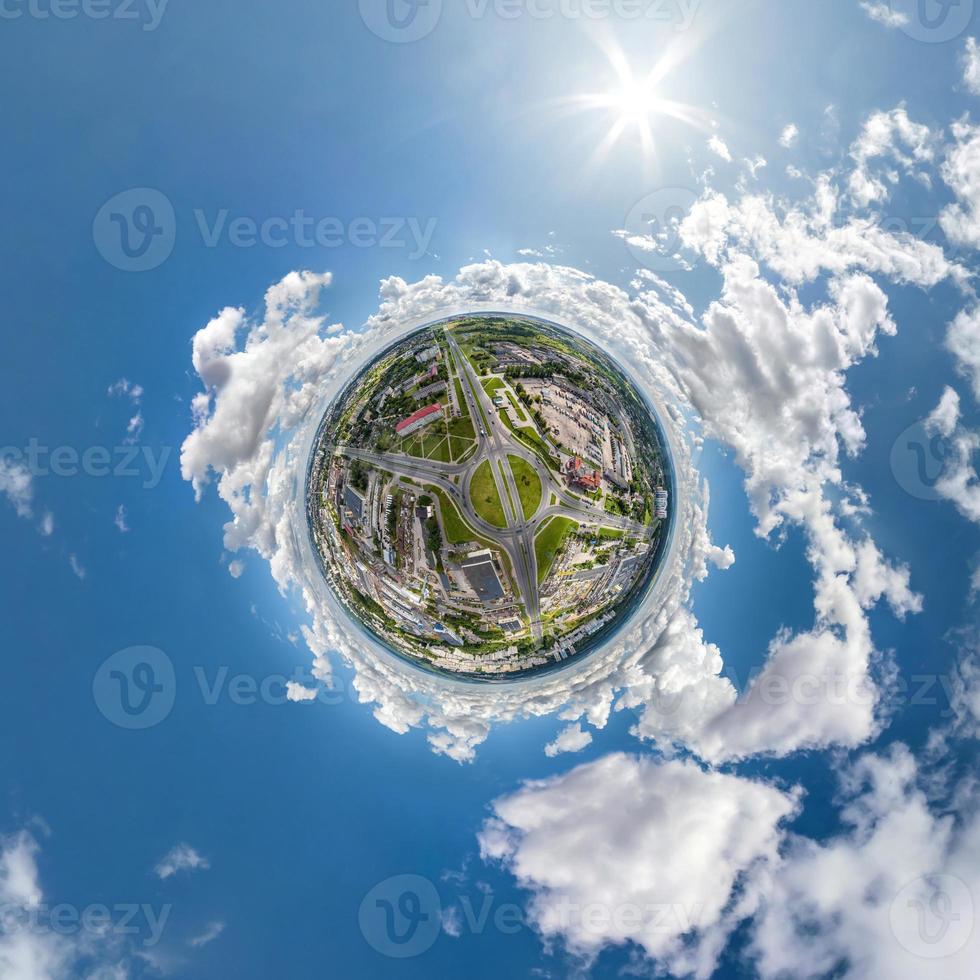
x: 634, y: 102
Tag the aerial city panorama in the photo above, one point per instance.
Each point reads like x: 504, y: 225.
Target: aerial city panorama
x: 490, y: 496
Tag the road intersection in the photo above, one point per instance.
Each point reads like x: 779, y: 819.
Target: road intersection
x: 495, y: 442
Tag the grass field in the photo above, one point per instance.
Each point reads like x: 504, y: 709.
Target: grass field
x: 549, y: 541
x: 611, y: 533
x: 441, y: 441
x: 456, y: 529
x: 491, y: 385
x: 486, y: 500
x: 528, y: 485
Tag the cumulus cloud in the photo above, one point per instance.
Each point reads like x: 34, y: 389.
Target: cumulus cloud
x: 720, y: 148
x: 32, y: 946
x: 181, y: 857
x: 961, y: 171
x: 894, y: 140
x: 572, y: 738
x: 958, y: 482
x: 963, y: 341
x: 17, y: 485
x: 970, y: 63
x: 665, y: 855
x: 78, y: 569
x: 789, y: 135
x: 120, y: 520
x: 299, y: 692
x: 889, y: 898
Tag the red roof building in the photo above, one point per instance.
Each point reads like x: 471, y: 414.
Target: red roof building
x: 417, y: 419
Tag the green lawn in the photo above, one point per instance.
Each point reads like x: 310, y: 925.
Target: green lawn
x: 492, y: 385
x: 462, y: 426
x: 456, y: 529
x: 549, y: 541
x: 486, y: 500
x: 611, y: 533
x: 528, y: 485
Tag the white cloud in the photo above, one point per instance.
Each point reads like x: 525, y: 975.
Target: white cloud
x: 299, y: 692
x: 17, y: 485
x: 124, y: 387
x: 452, y: 924
x: 236, y: 568
x: 804, y: 240
x: 718, y: 146
x: 77, y: 567
x: 572, y: 738
x: 46, y: 527
x: 961, y: 171
x: 958, y: 482
x: 32, y: 946
x: 721, y: 558
x: 134, y: 429
x: 869, y: 903
x: 213, y: 930
x: 893, y: 138
x: 963, y: 341
x: 970, y: 63
x: 120, y: 520
x: 181, y: 857
x: 883, y: 13
x: 789, y: 135
x: 665, y: 855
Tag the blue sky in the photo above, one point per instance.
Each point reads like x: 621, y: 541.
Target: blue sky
x: 300, y: 810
